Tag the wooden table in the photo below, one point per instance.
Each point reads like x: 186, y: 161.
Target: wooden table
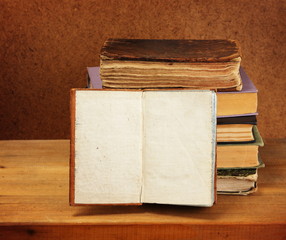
x: 34, y: 203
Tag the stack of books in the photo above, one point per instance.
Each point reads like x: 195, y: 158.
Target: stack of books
x: 195, y: 64
x: 238, y: 140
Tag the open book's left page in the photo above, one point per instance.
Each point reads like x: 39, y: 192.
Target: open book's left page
x: 108, y: 147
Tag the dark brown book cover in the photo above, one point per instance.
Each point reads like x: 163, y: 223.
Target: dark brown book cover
x: 238, y: 120
x: 171, y: 50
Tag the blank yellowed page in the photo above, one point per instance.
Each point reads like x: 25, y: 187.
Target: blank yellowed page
x: 179, y: 147
x: 108, y: 147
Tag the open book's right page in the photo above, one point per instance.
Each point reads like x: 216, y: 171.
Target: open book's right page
x: 179, y: 147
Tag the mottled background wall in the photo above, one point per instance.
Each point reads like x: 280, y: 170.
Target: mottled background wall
x: 46, y: 46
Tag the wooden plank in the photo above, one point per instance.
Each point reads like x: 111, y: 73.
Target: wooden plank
x: 34, y: 202
x: 145, y: 232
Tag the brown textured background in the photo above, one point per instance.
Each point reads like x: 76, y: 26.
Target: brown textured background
x: 46, y: 46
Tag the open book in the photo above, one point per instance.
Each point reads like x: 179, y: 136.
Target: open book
x: 133, y: 147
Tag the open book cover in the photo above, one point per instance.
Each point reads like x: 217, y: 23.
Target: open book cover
x: 134, y: 147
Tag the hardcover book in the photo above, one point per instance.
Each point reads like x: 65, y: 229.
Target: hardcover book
x: 170, y: 63
x: 134, y: 147
x: 242, y: 103
x: 239, y: 133
x: 236, y: 129
x: 229, y: 104
x: 238, y: 181
x: 240, y: 155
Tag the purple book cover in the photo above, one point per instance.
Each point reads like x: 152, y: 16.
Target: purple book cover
x: 94, y: 77
x: 247, y: 85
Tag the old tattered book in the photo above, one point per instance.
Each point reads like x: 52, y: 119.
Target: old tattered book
x: 238, y: 181
x: 153, y: 63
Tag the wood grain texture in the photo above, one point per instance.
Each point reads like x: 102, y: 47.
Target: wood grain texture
x: 46, y: 47
x: 144, y: 232
x: 34, y: 203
